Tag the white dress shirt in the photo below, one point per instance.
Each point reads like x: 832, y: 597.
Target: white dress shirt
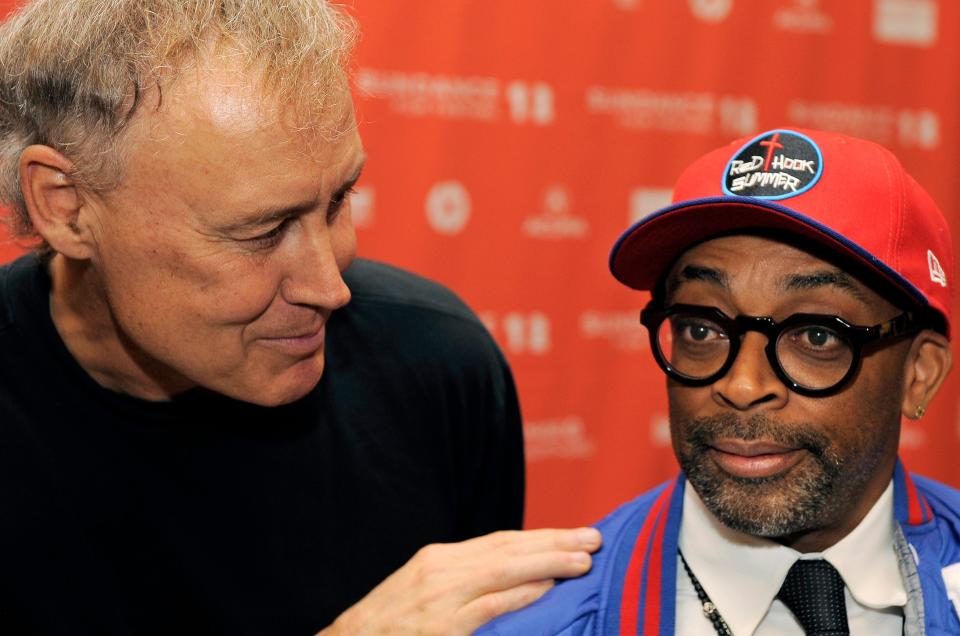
x: 742, y: 574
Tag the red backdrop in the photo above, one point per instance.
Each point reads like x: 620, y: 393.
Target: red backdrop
x: 511, y: 142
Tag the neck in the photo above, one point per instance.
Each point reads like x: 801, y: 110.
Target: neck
x: 81, y: 312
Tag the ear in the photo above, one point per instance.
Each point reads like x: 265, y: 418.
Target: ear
x: 54, y: 201
x: 927, y: 364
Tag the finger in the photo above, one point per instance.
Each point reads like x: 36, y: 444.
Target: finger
x: 486, y: 608
x: 545, y: 539
x: 509, y: 572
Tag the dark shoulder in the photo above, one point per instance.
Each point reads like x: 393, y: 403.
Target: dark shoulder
x: 399, y: 319
x: 375, y: 283
x: 19, y: 280
x: 13, y: 277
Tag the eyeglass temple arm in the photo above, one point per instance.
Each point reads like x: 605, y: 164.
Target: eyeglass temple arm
x: 903, y: 324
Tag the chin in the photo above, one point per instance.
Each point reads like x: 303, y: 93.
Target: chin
x: 274, y: 396
x: 288, y: 386
x: 271, y: 385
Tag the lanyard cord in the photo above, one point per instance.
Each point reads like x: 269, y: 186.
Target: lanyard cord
x: 709, y: 609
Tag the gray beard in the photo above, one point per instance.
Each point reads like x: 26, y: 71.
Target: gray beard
x: 805, y: 497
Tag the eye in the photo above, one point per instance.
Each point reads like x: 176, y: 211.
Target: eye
x: 816, y: 338
x: 693, y: 330
x: 270, y: 238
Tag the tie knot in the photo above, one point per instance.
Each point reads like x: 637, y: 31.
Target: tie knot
x: 813, y: 590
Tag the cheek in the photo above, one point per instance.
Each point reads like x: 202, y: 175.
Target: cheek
x: 867, y: 416
x: 685, y: 404
x: 689, y: 401
x: 235, y: 292
x: 164, y: 285
x: 874, y: 396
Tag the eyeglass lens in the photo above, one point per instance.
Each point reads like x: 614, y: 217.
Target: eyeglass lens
x: 812, y: 355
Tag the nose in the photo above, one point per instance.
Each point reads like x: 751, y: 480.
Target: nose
x: 315, y: 264
x: 751, y: 382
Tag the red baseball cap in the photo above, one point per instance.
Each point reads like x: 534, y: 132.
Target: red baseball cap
x: 850, y: 195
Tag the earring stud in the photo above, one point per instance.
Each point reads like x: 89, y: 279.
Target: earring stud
x: 919, y: 412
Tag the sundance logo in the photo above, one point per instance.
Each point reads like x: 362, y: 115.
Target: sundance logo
x: 910, y: 22
x: 643, y: 109
x: 361, y: 206
x: 660, y: 430
x: 653, y: 110
x: 918, y: 128
x: 620, y: 329
x: 556, y: 221
x: 557, y: 438
x: 448, y: 207
x: 738, y: 115
x: 803, y: 16
x: 520, y: 332
x: 645, y: 201
x: 441, y: 96
x: 531, y: 103
x: 711, y: 10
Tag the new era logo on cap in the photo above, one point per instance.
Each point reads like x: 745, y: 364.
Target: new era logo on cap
x: 937, y: 274
x: 775, y: 165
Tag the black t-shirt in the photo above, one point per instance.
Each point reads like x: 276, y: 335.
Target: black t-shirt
x: 204, y: 515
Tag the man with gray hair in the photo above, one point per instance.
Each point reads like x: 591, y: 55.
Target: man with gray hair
x: 197, y: 433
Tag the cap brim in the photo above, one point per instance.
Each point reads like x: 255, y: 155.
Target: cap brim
x: 642, y: 254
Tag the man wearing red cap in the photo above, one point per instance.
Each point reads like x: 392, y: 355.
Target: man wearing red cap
x: 801, y: 301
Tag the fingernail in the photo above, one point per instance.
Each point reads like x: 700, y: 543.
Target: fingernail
x: 588, y: 536
x: 581, y: 559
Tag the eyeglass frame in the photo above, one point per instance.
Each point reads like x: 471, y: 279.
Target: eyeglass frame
x: 653, y: 315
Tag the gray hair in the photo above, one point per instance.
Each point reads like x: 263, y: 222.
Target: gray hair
x: 74, y: 72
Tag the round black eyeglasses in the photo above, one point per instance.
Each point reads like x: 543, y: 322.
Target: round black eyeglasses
x: 812, y: 354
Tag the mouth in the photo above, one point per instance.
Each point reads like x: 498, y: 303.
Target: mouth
x: 754, y: 459
x: 298, y: 344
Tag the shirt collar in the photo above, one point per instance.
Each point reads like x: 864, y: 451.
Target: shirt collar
x: 733, y: 566
x: 866, y: 558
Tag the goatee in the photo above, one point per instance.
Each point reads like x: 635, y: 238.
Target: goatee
x: 799, y: 499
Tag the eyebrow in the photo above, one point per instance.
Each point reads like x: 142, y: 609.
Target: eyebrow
x: 270, y: 215
x: 823, y: 278
x: 794, y: 282
x: 691, y: 273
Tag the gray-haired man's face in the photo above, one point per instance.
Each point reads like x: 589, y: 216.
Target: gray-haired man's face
x: 221, y: 253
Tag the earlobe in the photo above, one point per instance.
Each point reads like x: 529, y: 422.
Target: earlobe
x: 53, y: 201
x: 927, y: 364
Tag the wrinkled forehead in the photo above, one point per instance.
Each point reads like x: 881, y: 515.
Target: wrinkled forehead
x: 221, y: 98
x: 217, y: 144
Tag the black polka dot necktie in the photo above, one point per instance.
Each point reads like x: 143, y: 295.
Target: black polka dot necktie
x: 813, y: 590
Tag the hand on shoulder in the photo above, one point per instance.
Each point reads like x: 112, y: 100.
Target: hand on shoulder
x: 452, y: 589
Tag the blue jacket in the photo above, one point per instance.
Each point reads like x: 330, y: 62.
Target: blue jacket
x: 632, y: 586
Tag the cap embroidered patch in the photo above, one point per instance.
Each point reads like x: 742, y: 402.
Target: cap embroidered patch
x: 775, y: 165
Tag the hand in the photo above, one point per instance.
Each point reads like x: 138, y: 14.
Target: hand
x: 452, y: 589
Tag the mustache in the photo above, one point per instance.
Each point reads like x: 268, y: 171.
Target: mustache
x: 703, y: 432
